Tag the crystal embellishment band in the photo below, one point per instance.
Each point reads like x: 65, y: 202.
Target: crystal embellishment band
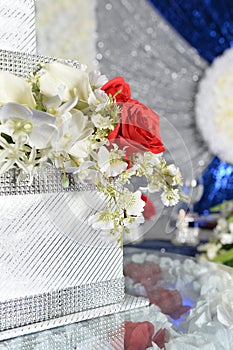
x: 42, y: 307
x: 50, y: 181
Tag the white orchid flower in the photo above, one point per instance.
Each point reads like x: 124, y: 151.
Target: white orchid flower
x: 15, y: 89
x: 73, y: 82
x: 37, y: 126
x: 43, y: 132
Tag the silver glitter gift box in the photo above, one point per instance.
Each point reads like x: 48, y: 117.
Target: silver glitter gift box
x: 55, y: 269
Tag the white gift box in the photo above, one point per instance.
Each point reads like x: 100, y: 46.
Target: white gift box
x: 55, y: 269
x: 52, y: 262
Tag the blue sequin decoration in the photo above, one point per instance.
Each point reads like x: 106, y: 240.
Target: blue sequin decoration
x: 218, y: 185
x: 206, y: 24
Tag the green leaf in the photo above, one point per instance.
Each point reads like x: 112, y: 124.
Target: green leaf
x: 230, y: 219
x: 216, y: 208
x: 229, y: 263
x: 224, y: 257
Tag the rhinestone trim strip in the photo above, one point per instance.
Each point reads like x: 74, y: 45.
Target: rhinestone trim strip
x: 32, y: 309
x: 79, y: 322
x: 23, y: 64
x: 47, y: 181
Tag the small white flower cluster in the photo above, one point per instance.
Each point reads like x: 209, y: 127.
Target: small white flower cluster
x: 61, y: 116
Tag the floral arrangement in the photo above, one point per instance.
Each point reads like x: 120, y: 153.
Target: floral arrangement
x: 84, y: 124
x: 220, y: 246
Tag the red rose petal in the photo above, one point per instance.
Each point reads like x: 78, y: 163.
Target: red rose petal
x: 118, y: 88
x: 138, y: 130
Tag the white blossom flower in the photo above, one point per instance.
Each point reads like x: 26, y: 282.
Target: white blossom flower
x: 174, y: 172
x: 133, y: 222
x: 132, y: 202
x: 170, y: 197
x: 153, y: 187
x: 103, y: 220
x: 222, y: 225
x: 12, y: 156
x: 226, y: 238
x: 149, y: 160
x: 211, y: 249
x: 102, y: 122
x: 111, y: 163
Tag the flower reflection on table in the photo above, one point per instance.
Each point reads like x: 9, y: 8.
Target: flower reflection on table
x: 204, y: 287
x: 187, y: 228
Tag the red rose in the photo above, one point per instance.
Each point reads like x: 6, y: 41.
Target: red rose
x: 138, y: 130
x: 149, y: 209
x: 138, y: 335
x: 117, y: 86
